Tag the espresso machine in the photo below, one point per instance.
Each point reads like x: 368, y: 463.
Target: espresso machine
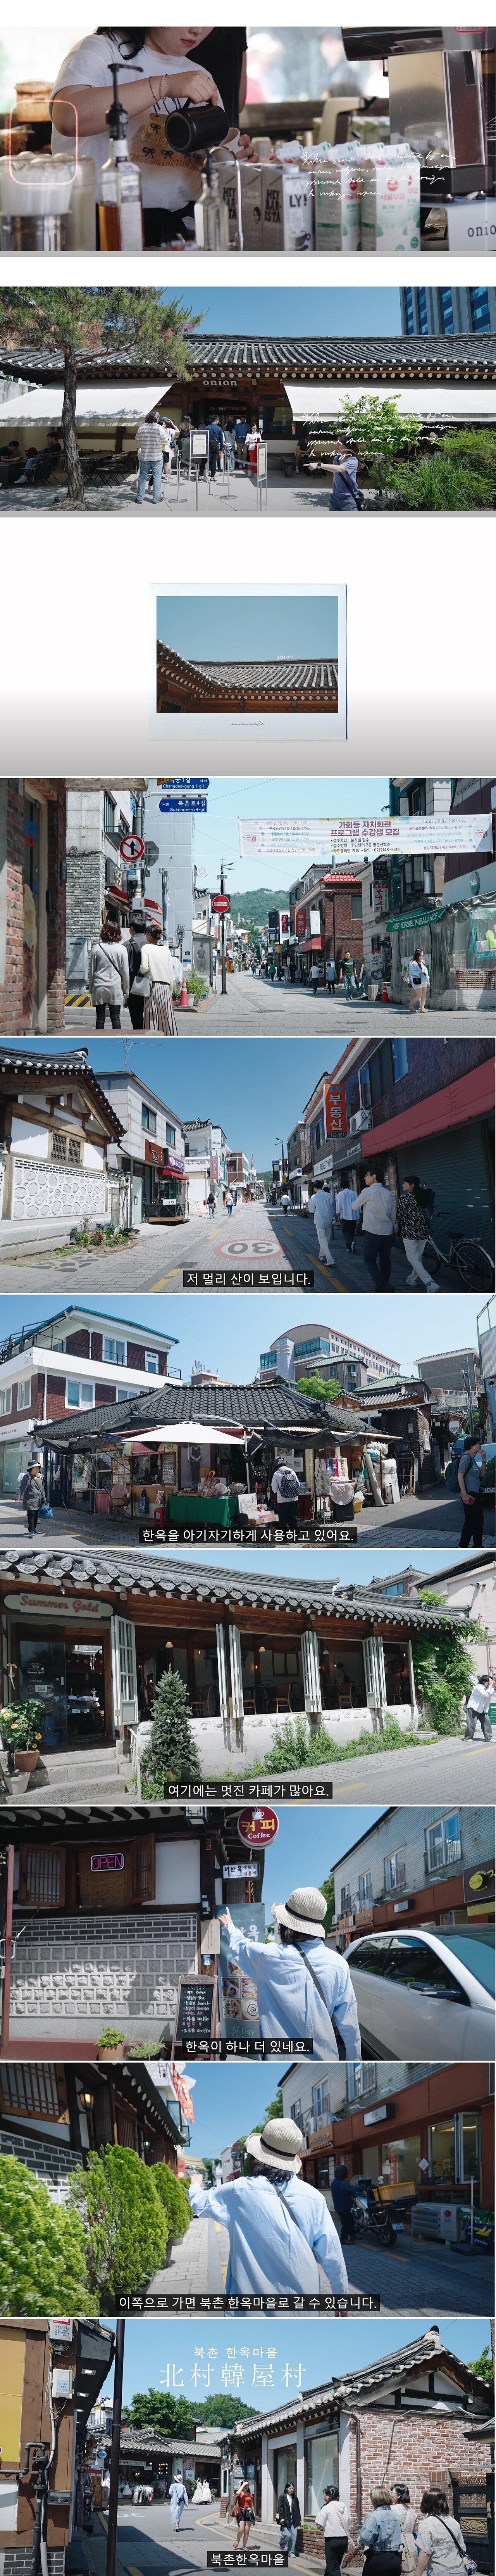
x: 441, y: 101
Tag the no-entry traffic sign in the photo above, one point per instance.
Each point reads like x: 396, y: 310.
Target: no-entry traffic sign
x: 131, y: 847
x: 220, y: 903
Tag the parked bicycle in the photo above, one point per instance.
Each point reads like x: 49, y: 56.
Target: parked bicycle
x: 467, y: 1255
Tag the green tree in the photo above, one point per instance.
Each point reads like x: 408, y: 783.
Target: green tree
x: 322, y: 1390
x: 483, y: 2368
x: 380, y: 433
x: 128, y: 2229
x: 135, y: 322
x: 171, y: 1753
x: 442, y: 1668
x: 327, y: 1890
x: 43, y: 2250
x: 174, y: 2199
x: 225, y: 2411
x: 164, y: 2414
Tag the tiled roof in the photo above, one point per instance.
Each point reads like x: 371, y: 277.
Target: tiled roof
x: 33, y: 1069
x: 468, y: 357
x: 392, y: 2368
x: 133, y: 1575
x: 280, y: 1409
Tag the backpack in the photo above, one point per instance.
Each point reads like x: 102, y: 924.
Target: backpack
x: 288, y: 1485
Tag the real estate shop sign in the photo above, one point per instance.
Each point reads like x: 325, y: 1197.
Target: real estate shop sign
x: 298, y: 843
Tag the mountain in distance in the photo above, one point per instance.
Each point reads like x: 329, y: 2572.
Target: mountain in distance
x: 252, y: 908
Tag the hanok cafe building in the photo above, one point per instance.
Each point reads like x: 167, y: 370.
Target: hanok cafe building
x: 62, y: 2363
x: 408, y: 2415
x: 56, y: 1126
x: 90, y: 1634
x: 110, y: 1919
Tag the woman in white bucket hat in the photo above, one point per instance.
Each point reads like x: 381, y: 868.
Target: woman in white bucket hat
x: 281, y: 2234
x: 302, y: 1986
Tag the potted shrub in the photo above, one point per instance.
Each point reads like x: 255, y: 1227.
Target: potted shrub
x: 21, y: 1733
x: 111, y: 2044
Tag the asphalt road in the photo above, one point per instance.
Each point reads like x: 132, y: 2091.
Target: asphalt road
x: 425, y: 1772
x: 252, y: 1007
x: 425, y: 1522
x: 255, y: 1237
x: 411, y: 2279
x: 147, y: 2545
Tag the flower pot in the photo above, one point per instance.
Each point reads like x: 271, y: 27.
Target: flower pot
x: 26, y: 1761
x: 114, y: 2055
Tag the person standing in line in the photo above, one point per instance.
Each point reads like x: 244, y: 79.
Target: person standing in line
x: 31, y: 1494
x: 215, y: 447
x: 379, y: 1212
x: 289, y: 2518
x: 150, y: 441
x: 419, y: 980
x: 471, y: 1473
x: 413, y: 1225
x: 334, y: 2520
x: 344, y: 1210
x: 108, y: 974
x: 252, y: 446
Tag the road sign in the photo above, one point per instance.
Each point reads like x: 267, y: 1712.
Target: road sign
x: 183, y: 805
x: 131, y: 847
x: 220, y: 902
x: 184, y: 782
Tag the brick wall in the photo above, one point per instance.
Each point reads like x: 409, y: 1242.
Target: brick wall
x: 56, y: 917
x: 348, y: 934
x: 431, y: 1067
x: 78, y: 1345
x: 421, y: 2450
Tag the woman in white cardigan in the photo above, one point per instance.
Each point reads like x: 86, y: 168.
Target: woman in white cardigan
x: 155, y: 981
x: 108, y: 974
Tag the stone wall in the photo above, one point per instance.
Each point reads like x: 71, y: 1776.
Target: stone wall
x: 111, y: 1968
x: 47, y: 1190
x: 85, y: 893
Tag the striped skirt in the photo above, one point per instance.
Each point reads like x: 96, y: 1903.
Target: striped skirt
x: 158, y: 1014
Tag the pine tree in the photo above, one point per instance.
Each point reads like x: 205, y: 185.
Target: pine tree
x: 171, y: 1754
x: 133, y: 322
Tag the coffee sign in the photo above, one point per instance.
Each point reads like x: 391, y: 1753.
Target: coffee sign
x: 257, y: 1827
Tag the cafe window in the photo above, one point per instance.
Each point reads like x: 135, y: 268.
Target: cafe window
x: 455, y: 2148
x: 5, y: 1399
x: 442, y: 1843
x: 41, y: 1875
x: 322, y: 2467
x: 115, y: 1351
x: 32, y: 2090
x: 148, y: 1119
x: 401, y: 2160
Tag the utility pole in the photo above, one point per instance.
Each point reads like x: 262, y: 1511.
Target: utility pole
x: 223, y: 934
x: 115, y: 2448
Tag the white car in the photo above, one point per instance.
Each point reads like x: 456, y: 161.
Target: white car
x: 425, y: 1994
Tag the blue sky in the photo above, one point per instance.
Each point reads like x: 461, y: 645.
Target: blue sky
x: 286, y: 312
x: 229, y: 2101
x: 216, y: 832
x: 247, y: 627
x: 231, y: 1344
x: 216, y: 2354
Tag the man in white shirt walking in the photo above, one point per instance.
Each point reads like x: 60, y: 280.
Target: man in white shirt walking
x: 379, y: 1215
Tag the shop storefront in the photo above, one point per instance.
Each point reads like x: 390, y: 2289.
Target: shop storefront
x: 435, y: 2134
x: 458, y: 942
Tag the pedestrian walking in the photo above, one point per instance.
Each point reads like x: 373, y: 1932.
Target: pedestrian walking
x: 108, y: 974
x: 289, y: 2518
x: 243, y: 2512
x: 343, y: 2196
x: 323, y: 1215
x: 471, y: 1473
x: 418, y: 979
x: 347, y: 1219
x: 302, y: 1986
x: 150, y: 446
x: 477, y: 1706
x: 286, y: 1487
x: 413, y: 1225
x: 381, y: 2536
x: 331, y: 976
x: 211, y: 1201
x: 281, y: 2234
x: 229, y: 1203
x: 155, y: 983
x: 31, y: 1494
x: 334, y: 2520
x: 314, y: 979
x: 378, y: 1205
x: 408, y: 2519
x: 439, y: 2537
x: 344, y: 470
x: 177, y: 2500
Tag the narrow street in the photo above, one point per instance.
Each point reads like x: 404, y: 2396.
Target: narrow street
x: 420, y: 1521
x: 147, y: 2545
x: 167, y: 1258
x: 411, y: 2279
x: 252, y: 1007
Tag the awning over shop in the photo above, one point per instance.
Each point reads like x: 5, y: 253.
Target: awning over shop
x: 186, y: 1432
x: 423, y: 402
x: 40, y: 406
x: 471, y: 1097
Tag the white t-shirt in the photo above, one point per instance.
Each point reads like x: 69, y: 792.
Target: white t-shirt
x: 167, y: 181
x: 439, y: 2537
x: 418, y: 974
x: 334, y: 2521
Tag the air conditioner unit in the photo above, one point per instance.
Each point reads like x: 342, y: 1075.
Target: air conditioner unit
x: 362, y: 1118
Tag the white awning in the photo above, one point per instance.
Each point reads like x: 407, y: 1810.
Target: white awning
x: 32, y: 406
x: 182, y: 1435
x: 426, y: 402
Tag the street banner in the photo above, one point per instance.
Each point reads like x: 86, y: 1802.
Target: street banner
x: 295, y: 843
